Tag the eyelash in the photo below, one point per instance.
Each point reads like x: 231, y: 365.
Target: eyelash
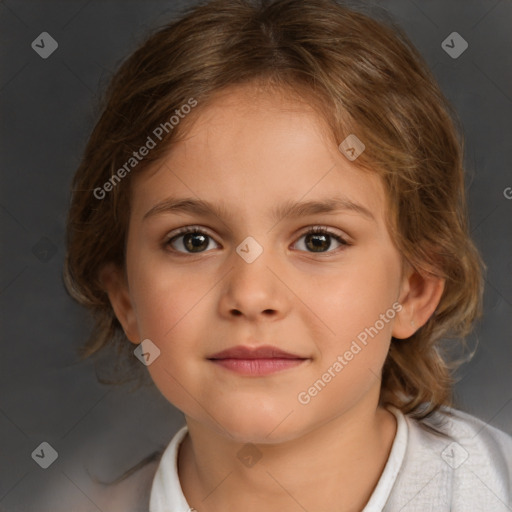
x: 314, y: 230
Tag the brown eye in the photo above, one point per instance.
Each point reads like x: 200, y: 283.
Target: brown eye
x: 319, y: 240
x: 190, y: 241
x: 195, y: 241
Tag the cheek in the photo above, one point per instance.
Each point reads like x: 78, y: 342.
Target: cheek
x: 362, y: 289
x: 164, y: 297
x: 168, y: 306
x: 357, y: 306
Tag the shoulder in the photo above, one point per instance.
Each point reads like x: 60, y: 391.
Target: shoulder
x: 467, y: 440
x: 455, y: 461
x: 485, y: 442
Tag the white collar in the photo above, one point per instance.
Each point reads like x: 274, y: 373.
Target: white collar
x: 167, y: 494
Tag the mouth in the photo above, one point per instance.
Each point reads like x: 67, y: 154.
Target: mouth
x: 258, y: 361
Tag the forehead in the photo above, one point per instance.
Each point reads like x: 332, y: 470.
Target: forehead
x: 251, y: 148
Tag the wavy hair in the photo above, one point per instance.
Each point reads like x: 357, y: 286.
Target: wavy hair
x: 363, y: 76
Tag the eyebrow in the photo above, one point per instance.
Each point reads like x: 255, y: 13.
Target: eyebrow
x: 287, y: 209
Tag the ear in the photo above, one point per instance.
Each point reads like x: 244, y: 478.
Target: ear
x: 419, y: 296
x: 114, y: 283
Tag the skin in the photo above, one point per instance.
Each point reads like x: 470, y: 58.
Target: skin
x: 250, y: 152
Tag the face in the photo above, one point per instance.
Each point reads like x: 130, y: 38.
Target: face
x: 253, y: 274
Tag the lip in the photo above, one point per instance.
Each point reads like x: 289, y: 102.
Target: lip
x: 257, y: 361
x: 262, y: 352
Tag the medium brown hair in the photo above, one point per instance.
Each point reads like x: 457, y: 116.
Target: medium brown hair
x: 364, y: 77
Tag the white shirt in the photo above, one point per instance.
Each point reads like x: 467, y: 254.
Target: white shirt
x: 424, y: 473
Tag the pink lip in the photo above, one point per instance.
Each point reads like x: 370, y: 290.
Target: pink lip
x: 256, y: 361
x: 263, y: 352
x: 257, y: 366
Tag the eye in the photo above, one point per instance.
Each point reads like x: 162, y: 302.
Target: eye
x: 192, y: 239
x: 318, y: 239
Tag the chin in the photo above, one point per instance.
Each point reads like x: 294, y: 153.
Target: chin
x: 256, y: 428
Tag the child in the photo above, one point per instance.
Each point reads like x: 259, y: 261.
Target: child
x: 270, y: 220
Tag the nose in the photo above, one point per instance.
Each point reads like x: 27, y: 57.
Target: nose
x: 253, y: 290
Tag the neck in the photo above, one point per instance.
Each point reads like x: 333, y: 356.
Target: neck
x: 333, y: 466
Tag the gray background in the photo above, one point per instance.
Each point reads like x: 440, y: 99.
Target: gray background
x: 48, y: 109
